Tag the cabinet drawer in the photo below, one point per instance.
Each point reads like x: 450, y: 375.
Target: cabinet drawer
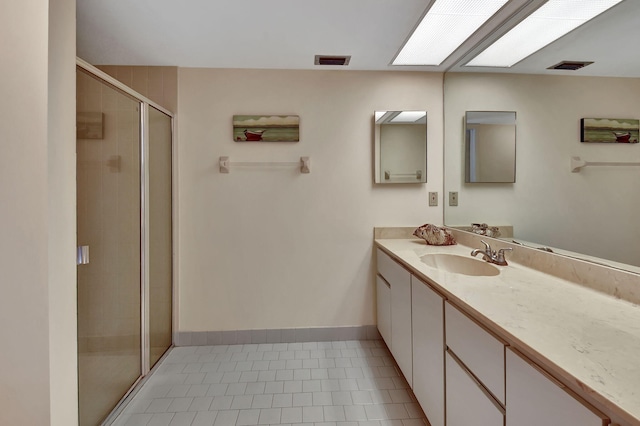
x: 390, y: 270
x: 467, y: 403
x: 383, y: 294
x: 480, y: 351
x: 535, y: 399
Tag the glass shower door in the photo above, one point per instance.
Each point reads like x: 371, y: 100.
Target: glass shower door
x: 160, y: 234
x: 109, y: 217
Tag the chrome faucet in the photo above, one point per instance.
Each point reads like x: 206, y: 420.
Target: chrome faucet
x: 490, y: 255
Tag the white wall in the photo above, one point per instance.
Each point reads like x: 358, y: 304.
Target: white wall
x: 593, y: 212
x: 24, y: 378
x: 263, y: 248
x: 37, y: 169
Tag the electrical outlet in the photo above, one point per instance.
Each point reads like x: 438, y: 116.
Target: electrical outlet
x: 433, y: 199
x: 453, y: 198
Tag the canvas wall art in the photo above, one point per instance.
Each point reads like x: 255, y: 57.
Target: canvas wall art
x: 609, y: 130
x: 266, y: 128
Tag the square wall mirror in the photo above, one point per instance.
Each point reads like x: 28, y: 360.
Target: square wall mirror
x: 490, y: 146
x: 400, y: 146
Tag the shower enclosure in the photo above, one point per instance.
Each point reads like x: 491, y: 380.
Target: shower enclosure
x: 124, y: 214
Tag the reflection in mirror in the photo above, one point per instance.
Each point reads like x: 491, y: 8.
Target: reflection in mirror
x: 490, y: 146
x: 400, y: 146
x: 594, y: 212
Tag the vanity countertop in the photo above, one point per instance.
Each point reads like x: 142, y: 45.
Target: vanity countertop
x: 588, y: 339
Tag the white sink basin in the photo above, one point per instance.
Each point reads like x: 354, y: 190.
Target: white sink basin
x: 460, y: 264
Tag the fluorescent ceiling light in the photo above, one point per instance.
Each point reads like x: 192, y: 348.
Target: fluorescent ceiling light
x: 444, y: 28
x: 547, y: 24
x: 408, y: 117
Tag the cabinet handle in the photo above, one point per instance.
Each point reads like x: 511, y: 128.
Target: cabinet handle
x: 384, y: 281
x: 539, y: 369
x: 82, y: 255
x: 479, y: 384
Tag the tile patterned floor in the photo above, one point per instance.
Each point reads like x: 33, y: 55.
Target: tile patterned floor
x: 352, y: 383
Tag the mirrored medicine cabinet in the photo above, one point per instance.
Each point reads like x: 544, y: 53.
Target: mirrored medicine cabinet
x: 490, y: 146
x: 400, y: 147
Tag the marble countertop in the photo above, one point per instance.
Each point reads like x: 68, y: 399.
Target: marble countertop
x: 587, y: 339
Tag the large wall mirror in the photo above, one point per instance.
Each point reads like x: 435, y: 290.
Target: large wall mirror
x: 592, y: 213
x: 400, y: 139
x: 490, y: 146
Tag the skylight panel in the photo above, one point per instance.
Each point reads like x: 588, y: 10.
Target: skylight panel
x: 447, y: 24
x: 547, y: 24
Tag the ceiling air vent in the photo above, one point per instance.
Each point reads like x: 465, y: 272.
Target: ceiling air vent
x: 332, y: 60
x: 569, y: 65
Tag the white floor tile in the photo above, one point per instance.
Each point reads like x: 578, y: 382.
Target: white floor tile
x: 180, y: 404
x: 242, y: 402
x: 334, y: 413
x: 221, y: 403
x: 160, y: 419
x: 312, y: 414
x: 204, y: 418
x: 248, y: 417
x: 355, y: 413
x: 270, y: 416
x: 282, y: 400
x: 226, y: 418
x: 201, y: 403
x: 183, y: 419
x: 262, y: 401
x: 256, y: 388
x: 291, y: 415
x: 276, y: 387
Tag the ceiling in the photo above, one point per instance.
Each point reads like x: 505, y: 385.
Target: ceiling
x: 287, y: 34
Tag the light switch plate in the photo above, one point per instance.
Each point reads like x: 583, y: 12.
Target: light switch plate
x: 453, y: 198
x: 433, y: 199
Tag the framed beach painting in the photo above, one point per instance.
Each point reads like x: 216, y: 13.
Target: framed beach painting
x: 266, y: 128
x: 609, y: 130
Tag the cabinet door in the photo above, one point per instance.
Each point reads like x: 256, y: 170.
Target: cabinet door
x: 401, y: 325
x: 400, y: 281
x: 467, y: 402
x: 383, y: 294
x: 533, y: 399
x: 427, y: 318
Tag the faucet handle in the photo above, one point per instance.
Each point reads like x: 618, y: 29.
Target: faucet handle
x: 487, y: 247
x: 500, y: 259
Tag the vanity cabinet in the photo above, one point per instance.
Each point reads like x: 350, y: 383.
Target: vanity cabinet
x: 383, y: 294
x: 535, y: 398
x: 467, y: 400
x: 461, y: 372
x: 427, y: 317
x: 399, y: 280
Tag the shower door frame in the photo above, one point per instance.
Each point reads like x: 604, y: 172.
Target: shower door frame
x: 145, y: 103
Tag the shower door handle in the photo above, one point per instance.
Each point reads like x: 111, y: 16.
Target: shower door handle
x: 82, y: 255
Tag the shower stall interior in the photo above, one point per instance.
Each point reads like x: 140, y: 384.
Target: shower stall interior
x: 125, y: 246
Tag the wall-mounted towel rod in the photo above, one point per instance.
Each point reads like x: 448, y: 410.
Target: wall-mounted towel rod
x: 388, y: 175
x: 577, y: 164
x: 304, y: 164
